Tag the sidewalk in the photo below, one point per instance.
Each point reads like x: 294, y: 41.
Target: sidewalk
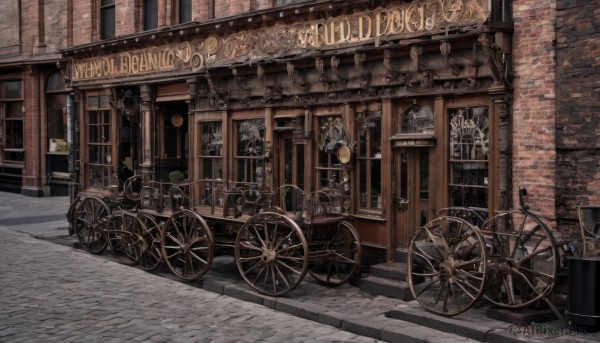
x: 345, y: 307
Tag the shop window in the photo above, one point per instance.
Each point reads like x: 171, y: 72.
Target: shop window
x: 211, y: 163
x: 11, y: 121
x: 333, y: 178
x: 150, y: 14
x: 99, y: 141
x: 369, y: 161
x: 469, y: 149
x: 249, y: 150
x: 107, y: 19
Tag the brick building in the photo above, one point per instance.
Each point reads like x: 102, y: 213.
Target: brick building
x: 528, y: 67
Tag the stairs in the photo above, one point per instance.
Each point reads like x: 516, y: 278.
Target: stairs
x: 389, y: 278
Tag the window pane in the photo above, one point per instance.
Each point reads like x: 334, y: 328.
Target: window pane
x: 12, y: 89
x: 212, y: 139
x: 55, y: 82
x: 150, y: 14
x: 376, y: 184
x: 468, y: 156
x: 418, y: 119
x: 14, y: 110
x: 57, y: 116
x: 185, y: 11
x: 300, y: 165
x: 107, y: 18
x: 93, y: 102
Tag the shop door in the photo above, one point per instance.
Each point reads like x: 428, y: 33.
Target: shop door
x: 412, y: 192
x: 290, y: 170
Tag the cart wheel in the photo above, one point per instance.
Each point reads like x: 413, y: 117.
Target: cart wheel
x: 339, y: 258
x: 271, y: 253
x: 522, y: 259
x: 150, y: 255
x: 187, y: 245
x: 124, y: 237
x: 91, y: 218
x: 72, y: 215
x: 447, y: 266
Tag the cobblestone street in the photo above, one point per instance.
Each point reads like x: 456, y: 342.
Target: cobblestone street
x: 53, y: 293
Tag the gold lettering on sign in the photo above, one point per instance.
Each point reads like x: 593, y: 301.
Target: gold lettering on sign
x: 130, y: 63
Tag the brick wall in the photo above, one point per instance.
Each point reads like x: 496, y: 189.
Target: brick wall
x: 534, y: 110
x: 578, y: 119
x: 82, y: 22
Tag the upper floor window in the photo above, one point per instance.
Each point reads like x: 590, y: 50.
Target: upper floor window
x: 107, y: 19
x: 502, y: 10
x: 150, y: 14
x: 11, y: 121
x: 184, y: 11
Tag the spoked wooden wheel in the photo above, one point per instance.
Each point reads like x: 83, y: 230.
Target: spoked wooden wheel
x: 124, y: 237
x: 72, y: 215
x: 187, y: 245
x: 91, y: 218
x: 338, y: 257
x: 522, y: 259
x: 271, y: 253
x: 447, y: 266
x: 150, y: 254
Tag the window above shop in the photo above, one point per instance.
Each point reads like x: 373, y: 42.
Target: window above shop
x: 150, y: 14
x: 184, y: 11
x: 107, y: 19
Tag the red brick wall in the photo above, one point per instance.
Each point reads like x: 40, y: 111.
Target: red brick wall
x: 82, y: 22
x: 578, y: 119
x: 534, y: 110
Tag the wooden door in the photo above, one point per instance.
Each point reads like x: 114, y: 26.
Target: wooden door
x: 412, y: 200
x: 290, y: 169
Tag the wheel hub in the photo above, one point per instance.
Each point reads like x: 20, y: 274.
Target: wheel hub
x: 268, y: 256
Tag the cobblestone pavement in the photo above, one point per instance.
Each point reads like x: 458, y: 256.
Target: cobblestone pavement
x: 52, y: 293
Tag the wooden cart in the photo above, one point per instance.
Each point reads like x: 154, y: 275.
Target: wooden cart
x: 276, y: 237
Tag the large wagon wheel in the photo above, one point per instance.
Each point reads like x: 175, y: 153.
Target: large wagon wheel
x: 187, y: 245
x: 340, y: 257
x: 72, y: 215
x: 522, y: 259
x: 91, y: 218
x: 124, y: 237
x: 447, y: 266
x: 271, y: 253
x: 150, y: 254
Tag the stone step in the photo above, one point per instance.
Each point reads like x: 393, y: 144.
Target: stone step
x: 401, y: 255
x: 388, y: 287
x: 390, y: 270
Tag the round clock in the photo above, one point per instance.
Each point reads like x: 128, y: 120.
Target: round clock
x: 344, y: 154
x: 177, y: 120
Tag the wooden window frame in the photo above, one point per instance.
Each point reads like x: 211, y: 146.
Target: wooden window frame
x: 366, y: 131
x: 105, y: 124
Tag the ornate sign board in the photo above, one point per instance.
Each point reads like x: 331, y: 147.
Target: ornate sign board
x: 405, y: 19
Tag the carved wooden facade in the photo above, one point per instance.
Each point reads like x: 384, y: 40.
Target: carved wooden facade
x: 399, y: 109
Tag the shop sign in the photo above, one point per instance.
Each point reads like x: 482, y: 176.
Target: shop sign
x: 408, y: 19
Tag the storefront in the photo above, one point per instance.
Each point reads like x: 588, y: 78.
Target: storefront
x: 394, y: 112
